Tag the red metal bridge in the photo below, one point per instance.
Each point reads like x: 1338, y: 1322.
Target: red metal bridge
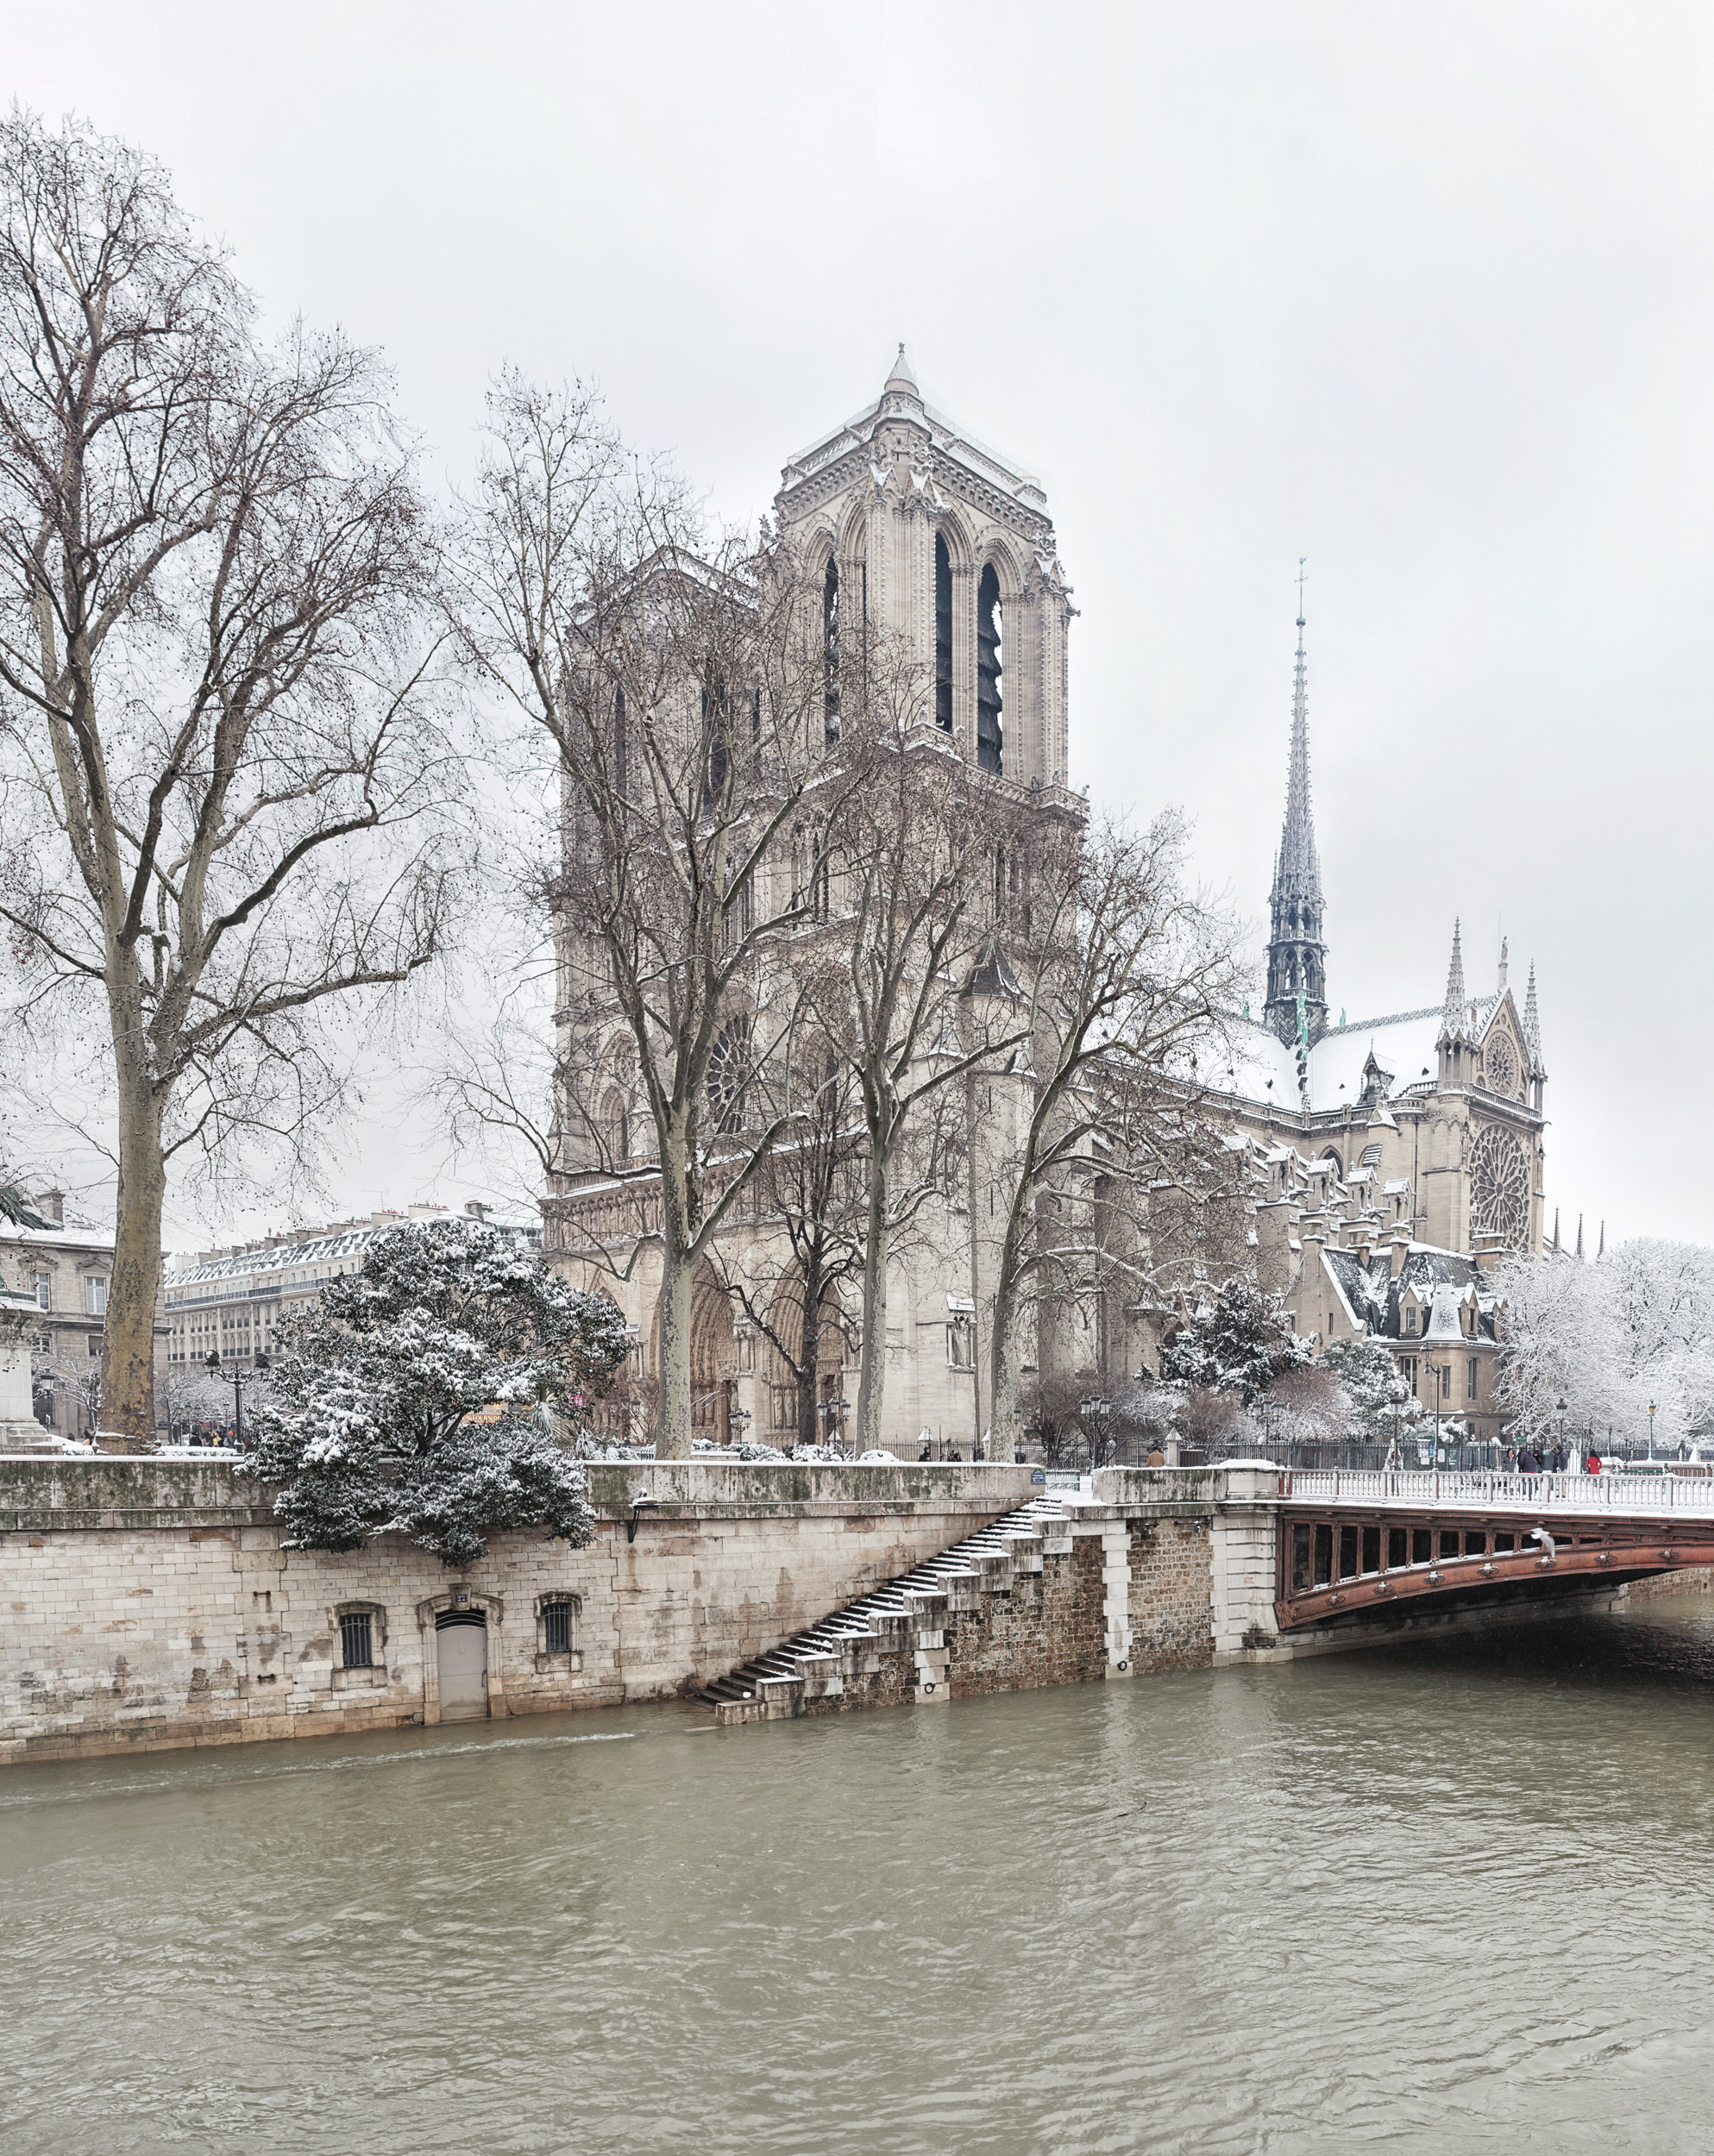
x: 1354, y: 1543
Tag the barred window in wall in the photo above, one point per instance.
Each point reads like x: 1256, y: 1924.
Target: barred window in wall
x: 556, y: 1626
x: 356, y: 1639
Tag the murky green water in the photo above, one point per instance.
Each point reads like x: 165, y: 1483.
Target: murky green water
x: 1454, y: 1901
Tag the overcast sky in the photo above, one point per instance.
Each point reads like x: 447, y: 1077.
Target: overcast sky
x: 1423, y: 294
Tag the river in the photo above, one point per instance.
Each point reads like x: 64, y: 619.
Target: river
x: 1448, y: 1898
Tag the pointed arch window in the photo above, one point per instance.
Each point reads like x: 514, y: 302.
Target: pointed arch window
x: 990, y: 729
x: 829, y: 649
x: 943, y: 635
x: 620, y: 742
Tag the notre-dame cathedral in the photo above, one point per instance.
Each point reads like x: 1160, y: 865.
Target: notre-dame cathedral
x: 1385, y: 1164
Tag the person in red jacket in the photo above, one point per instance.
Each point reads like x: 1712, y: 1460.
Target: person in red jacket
x: 1593, y: 1465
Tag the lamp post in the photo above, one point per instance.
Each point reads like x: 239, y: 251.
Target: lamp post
x: 1651, y: 1429
x: 830, y: 1410
x: 1560, y: 1412
x: 236, y: 1379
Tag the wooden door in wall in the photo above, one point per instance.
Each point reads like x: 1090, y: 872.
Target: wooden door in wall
x: 462, y: 1650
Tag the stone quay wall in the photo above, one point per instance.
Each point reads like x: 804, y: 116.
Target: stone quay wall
x: 149, y: 1604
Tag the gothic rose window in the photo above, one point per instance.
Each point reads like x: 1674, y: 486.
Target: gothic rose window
x: 1499, y: 1186
x: 728, y: 1074
x: 1502, y: 1066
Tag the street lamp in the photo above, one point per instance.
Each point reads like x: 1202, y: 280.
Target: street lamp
x: 236, y: 1378
x: 1651, y: 1429
x: 1560, y: 1412
x: 829, y: 1410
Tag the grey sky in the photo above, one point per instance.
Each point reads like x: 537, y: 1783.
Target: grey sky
x: 1423, y: 294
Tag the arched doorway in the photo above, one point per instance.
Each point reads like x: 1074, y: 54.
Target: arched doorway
x: 462, y: 1660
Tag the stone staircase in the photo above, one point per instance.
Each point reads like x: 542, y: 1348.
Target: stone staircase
x: 890, y: 1645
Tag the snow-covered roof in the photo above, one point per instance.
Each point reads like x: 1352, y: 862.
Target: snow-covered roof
x: 1263, y: 1068
x: 347, y: 1239
x: 82, y: 1234
x: 1444, y: 1281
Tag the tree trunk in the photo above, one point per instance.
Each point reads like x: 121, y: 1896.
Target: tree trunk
x: 127, y: 1351
x: 809, y: 1353
x: 1002, y: 1344
x: 672, y: 1408
x: 872, y: 1370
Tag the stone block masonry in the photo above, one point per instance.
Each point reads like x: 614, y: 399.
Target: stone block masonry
x: 149, y: 1604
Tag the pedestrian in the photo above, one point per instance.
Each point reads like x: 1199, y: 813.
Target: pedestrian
x: 1593, y: 1465
x: 1157, y: 1457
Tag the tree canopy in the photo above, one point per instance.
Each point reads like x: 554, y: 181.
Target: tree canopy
x: 372, y: 1423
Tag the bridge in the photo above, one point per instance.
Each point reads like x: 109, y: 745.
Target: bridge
x: 1352, y: 1544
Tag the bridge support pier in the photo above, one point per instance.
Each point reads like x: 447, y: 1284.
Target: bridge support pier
x: 1243, y: 1538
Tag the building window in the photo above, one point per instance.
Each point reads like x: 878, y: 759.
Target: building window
x: 356, y: 1639
x: 1474, y: 1378
x: 1410, y: 1320
x: 94, y: 1345
x: 40, y: 1284
x: 95, y: 1294
x: 989, y: 730
x: 557, y: 1627
x: 829, y: 649
x: 943, y: 635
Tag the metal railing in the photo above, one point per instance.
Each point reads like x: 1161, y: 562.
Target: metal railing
x: 1639, y: 1496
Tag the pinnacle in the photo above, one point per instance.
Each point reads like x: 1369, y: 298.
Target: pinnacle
x: 901, y: 376
x: 1456, y: 1019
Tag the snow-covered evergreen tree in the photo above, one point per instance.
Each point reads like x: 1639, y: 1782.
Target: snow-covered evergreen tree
x: 415, y: 1397
x: 1380, y: 1399
x: 1237, y: 1342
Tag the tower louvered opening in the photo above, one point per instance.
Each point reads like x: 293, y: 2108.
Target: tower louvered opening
x: 990, y: 740
x: 943, y: 635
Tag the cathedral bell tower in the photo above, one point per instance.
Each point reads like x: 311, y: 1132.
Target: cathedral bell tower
x: 1296, y: 1006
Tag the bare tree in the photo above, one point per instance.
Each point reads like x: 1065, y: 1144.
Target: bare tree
x: 915, y: 848
x: 680, y: 679
x: 1126, y: 974
x: 812, y: 1189
x: 223, y: 785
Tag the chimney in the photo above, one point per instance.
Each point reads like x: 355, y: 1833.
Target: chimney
x: 52, y: 1207
x: 476, y: 1209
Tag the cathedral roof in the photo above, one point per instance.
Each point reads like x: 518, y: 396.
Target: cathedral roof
x: 1403, y: 1046
x: 900, y: 397
x: 1441, y: 1282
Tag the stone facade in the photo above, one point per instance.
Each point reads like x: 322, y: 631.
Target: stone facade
x: 63, y: 1269
x: 912, y: 527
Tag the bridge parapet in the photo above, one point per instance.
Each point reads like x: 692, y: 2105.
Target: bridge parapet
x: 1618, y: 1495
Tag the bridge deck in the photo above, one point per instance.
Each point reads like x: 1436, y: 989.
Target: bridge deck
x: 1352, y: 1541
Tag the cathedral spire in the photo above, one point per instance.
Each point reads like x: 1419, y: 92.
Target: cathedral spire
x: 1579, y: 1238
x: 1297, y: 952
x: 1456, y: 1019
x: 1602, y: 1252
